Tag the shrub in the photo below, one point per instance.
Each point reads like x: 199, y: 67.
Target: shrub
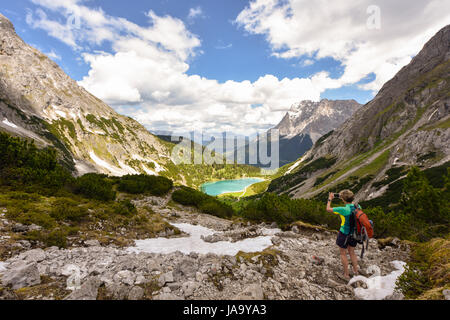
x: 136, y: 184
x: 95, y: 186
x: 57, y: 237
x: 428, y: 270
x: 22, y: 164
x: 188, y: 197
x: 124, y: 208
x: 284, y: 211
x: 421, y: 213
x: 205, y: 203
x: 216, y: 208
x: 67, y: 209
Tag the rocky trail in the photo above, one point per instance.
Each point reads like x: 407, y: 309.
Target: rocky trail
x: 302, y: 263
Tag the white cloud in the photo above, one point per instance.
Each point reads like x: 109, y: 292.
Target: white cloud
x: 338, y: 29
x: 147, y: 65
x: 195, y: 13
x: 53, y: 55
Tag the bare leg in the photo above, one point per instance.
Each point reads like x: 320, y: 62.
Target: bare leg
x: 344, y: 262
x: 354, y: 259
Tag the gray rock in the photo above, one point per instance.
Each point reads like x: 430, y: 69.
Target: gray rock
x: 21, y: 274
x: 35, y: 255
x: 87, y: 291
x: 165, y: 278
x: 136, y: 293
x: 174, y: 286
x: 189, y: 288
x: 18, y: 227
x: 92, y: 243
x: 395, y: 296
x: 167, y: 296
x: 252, y: 292
x: 446, y: 294
x: 118, y: 291
x: 125, y: 277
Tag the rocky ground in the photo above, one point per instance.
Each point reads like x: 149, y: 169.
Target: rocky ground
x: 303, y: 263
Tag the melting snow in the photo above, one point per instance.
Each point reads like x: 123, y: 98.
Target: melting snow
x: 60, y: 113
x: 194, y: 243
x: 295, y: 165
x: 128, y: 168
x: 114, y: 170
x: 379, y: 287
x: 9, y: 123
x: 148, y: 171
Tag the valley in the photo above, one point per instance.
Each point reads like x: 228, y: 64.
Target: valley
x: 94, y: 207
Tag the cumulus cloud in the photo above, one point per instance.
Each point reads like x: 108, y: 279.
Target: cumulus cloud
x: 342, y: 30
x: 144, y: 75
x: 147, y: 67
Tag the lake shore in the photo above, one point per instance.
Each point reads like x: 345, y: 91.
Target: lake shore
x: 242, y: 191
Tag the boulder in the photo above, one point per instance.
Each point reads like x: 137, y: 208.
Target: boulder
x: 21, y: 274
x: 189, y: 288
x: 18, y: 227
x: 87, y: 291
x: 165, y: 278
x: 35, y: 255
x: 125, y: 277
x: 136, y: 293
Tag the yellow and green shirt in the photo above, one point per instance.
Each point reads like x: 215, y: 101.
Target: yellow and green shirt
x: 344, y: 213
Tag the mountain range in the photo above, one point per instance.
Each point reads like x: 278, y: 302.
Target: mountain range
x: 406, y: 124
x: 307, y: 121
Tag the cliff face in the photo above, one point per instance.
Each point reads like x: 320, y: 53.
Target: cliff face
x: 316, y: 118
x: 307, y: 121
x: 406, y: 124
x: 39, y: 101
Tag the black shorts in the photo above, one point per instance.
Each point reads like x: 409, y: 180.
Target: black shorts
x: 343, y: 242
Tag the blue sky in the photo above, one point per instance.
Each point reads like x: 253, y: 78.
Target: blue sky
x: 252, y: 45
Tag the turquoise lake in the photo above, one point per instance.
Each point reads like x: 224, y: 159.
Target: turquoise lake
x: 227, y: 186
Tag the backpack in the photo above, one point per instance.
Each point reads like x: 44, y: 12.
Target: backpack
x: 361, y: 228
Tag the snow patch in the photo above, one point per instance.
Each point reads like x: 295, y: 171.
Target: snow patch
x: 2, y: 266
x: 60, y: 113
x: 148, y: 171
x: 379, y: 287
x: 82, y: 168
x: 127, y: 168
x: 194, y: 243
x: 10, y: 124
x: 102, y: 163
x: 295, y: 165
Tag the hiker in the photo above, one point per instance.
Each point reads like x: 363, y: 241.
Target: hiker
x: 344, y: 239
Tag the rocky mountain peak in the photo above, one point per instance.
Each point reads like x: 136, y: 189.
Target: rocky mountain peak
x: 406, y: 124
x: 316, y: 118
x: 5, y: 24
x: 38, y: 100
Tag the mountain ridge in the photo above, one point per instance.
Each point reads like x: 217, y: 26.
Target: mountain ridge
x: 405, y: 123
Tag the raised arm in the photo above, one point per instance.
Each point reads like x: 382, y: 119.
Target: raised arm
x: 330, y: 198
